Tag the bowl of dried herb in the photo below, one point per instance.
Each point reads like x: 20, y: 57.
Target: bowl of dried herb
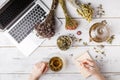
x: 64, y: 42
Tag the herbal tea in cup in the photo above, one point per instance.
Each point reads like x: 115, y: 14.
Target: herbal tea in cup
x: 56, y: 62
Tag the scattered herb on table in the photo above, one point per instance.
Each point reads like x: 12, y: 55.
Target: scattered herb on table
x: 85, y: 43
x: 71, y: 55
x: 74, y: 38
x: 90, y: 40
x: 110, y: 40
x: 79, y: 32
x: 80, y: 40
x: 100, y: 49
x: 96, y: 56
x: 101, y: 46
x: 100, y: 12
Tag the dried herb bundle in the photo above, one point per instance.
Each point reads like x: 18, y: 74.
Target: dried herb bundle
x: 71, y: 24
x: 85, y: 10
x: 47, y: 28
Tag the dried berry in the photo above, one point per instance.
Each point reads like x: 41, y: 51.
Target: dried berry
x: 100, y: 12
x: 79, y: 32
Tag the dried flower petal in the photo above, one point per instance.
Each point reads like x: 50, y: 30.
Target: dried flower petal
x: 79, y: 32
x: 85, y: 43
x: 110, y: 40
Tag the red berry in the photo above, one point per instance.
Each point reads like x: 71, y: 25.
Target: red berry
x: 79, y: 32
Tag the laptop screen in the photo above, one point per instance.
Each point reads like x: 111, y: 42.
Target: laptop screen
x: 11, y: 10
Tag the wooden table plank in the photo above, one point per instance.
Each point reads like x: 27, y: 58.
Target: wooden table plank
x: 15, y: 66
x: 108, y: 76
x: 84, y: 27
x: 17, y: 62
x: 111, y: 8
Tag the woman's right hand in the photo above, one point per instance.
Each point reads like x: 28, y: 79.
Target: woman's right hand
x: 91, y: 67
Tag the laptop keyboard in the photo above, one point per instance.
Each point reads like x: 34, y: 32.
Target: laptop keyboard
x: 25, y: 26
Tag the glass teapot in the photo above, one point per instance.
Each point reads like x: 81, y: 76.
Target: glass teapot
x: 99, y: 32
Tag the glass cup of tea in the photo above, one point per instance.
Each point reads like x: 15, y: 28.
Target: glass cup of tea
x: 56, y: 62
x: 99, y: 32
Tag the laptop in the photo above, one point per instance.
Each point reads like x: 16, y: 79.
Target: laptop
x: 18, y: 18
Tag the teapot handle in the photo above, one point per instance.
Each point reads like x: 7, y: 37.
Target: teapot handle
x: 104, y: 22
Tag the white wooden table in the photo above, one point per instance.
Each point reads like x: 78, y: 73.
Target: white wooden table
x: 15, y: 66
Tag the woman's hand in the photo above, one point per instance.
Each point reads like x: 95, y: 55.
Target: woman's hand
x: 39, y: 69
x: 91, y: 67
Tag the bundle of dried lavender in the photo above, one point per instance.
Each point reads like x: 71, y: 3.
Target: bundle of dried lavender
x: 71, y: 24
x: 47, y: 28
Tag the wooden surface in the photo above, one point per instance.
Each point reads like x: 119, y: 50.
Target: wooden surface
x: 15, y: 66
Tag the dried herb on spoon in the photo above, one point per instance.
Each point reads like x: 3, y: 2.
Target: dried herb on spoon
x: 85, y: 10
x: 71, y: 24
x: 47, y: 28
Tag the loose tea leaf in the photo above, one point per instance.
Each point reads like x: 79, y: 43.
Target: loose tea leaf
x: 110, y: 40
x: 47, y: 28
x: 74, y: 38
x: 101, y: 46
x: 71, y: 24
x: 85, y: 43
x: 85, y: 10
x: 100, y: 11
x: 100, y: 50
